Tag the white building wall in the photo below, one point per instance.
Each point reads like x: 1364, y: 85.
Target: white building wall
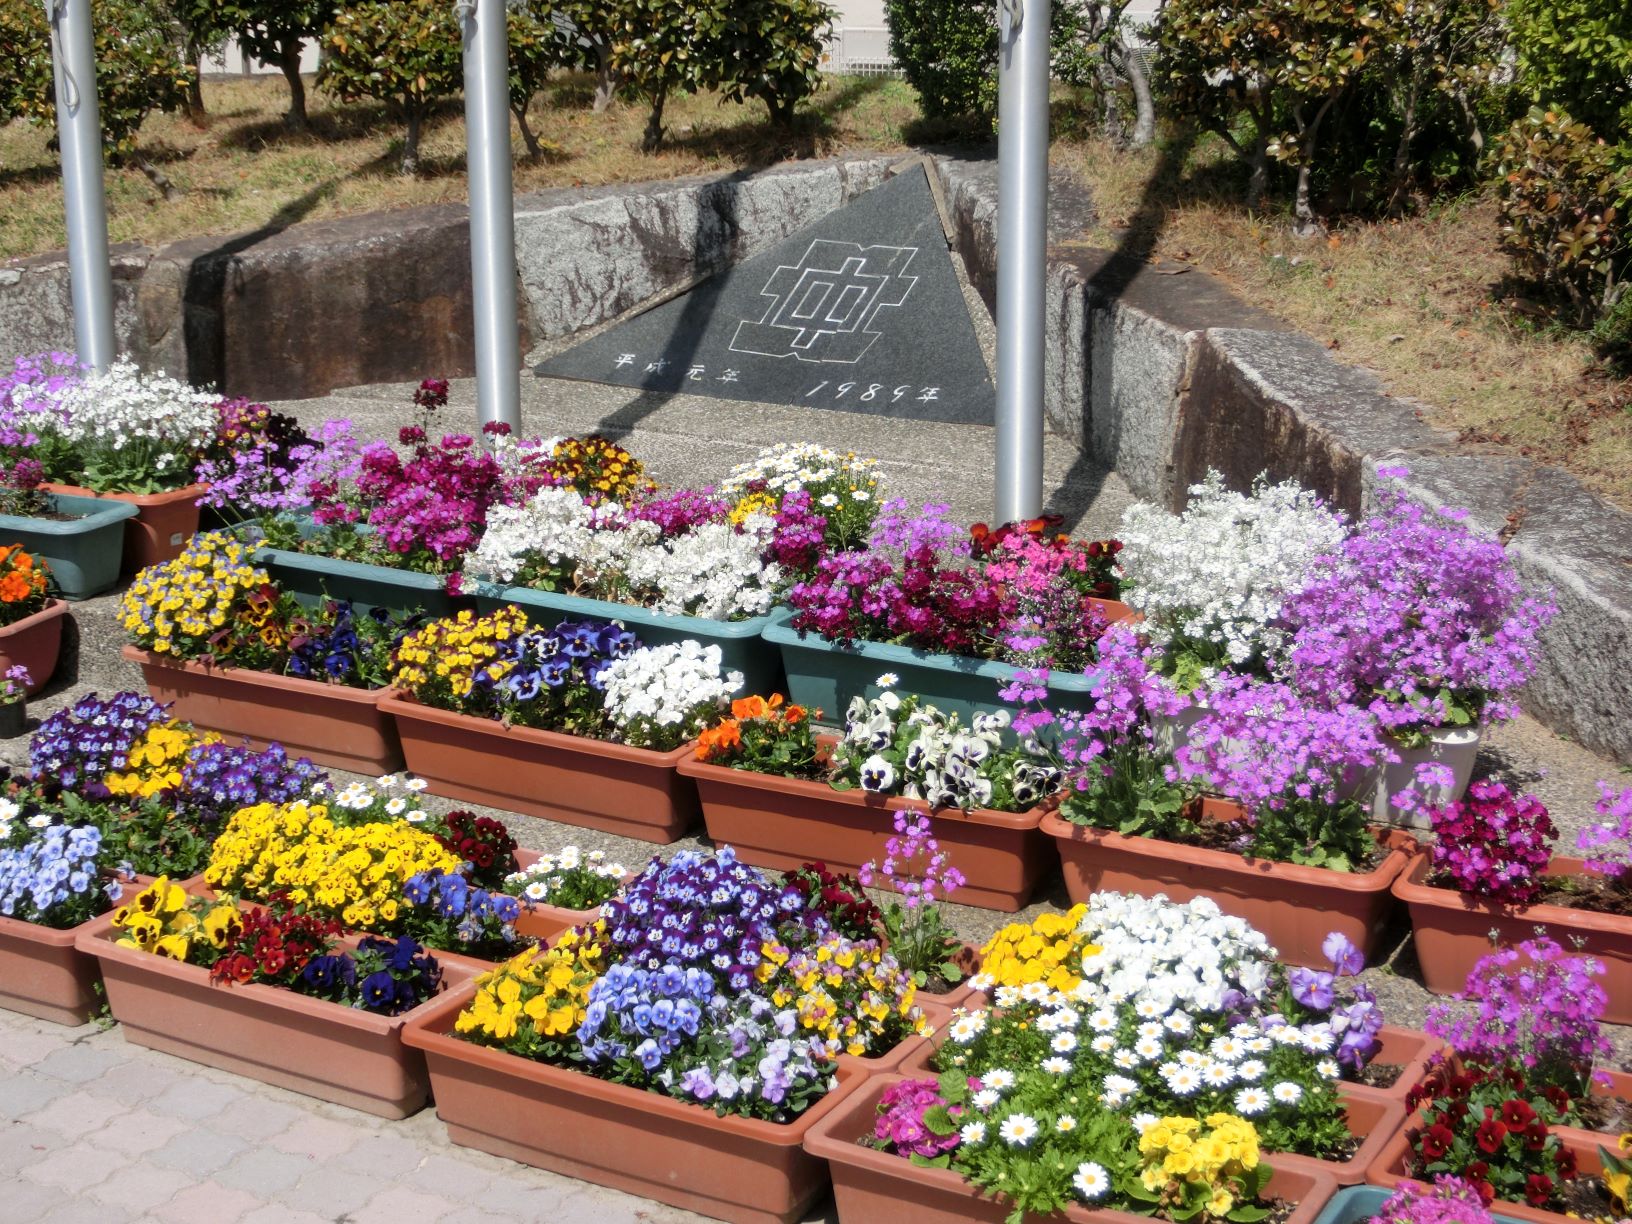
x: 233, y: 60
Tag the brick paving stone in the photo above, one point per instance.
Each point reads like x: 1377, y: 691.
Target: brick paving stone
x: 25, y: 1093
x: 209, y: 1203
x: 509, y: 1196
x: 21, y: 1048
x: 264, y: 1171
x: 277, y: 1213
x: 319, y: 1138
x: 73, y: 1168
x: 141, y: 1187
x: 139, y: 1132
x: 195, y: 1098
x: 138, y: 1078
x: 258, y: 1119
x: 82, y: 1211
x: 81, y: 1062
x: 26, y: 1202
x: 77, y: 1113
x: 403, y: 1205
x: 199, y: 1151
x: 382, y: 1155
x: 448, y: 1175
x: 332, y: 1191
x: 475, y: 1215
x: 22, y: 1145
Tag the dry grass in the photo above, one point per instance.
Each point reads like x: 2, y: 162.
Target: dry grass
x: 241, y: 170
x: 1418, y: 301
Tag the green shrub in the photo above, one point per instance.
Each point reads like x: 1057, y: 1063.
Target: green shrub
x: 664, y: 47
x: 539, y: 44
x: 273, y: 31
x: 138, y: 69
x: 1565, y: 196
x: 1577, y: 54
x: 947, y: 50
x: 771, y: 50
x: 405, y: 53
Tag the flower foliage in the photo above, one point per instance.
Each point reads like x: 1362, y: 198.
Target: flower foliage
x: 1492, y: 843
x: 572, y: 879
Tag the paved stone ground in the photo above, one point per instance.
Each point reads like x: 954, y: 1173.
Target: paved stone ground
x: 92, y: 1128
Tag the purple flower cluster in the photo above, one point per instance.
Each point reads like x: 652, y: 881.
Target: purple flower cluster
x: 1449, y: 1201
x: 32, y: 388
x: 53, y: 879
x: 384, y: 976
x: 700, y: 910
x: 76, y: 748
x: 913, y: 841
x: 1264, y: 743
x: 1493, y: 844
x: 680, y: 511
x: 447, y: 911
x: 1129, y: 697
x: 799, y: 540
x: 1607, y: 844
x: 219, y: 778
x: 900, y: 1126
x: 1537, y: 1007
x: 755, y: 1063
x: 1355, y: 1020
x: 1418, y: 618
x: 645, y: 1014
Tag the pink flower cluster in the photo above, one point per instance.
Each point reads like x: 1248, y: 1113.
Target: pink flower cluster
x: 1493, y: 844
x: 1449, y: 1201
x: 1607, y: 844
x: 900, y: 1127
x: 913, y: 842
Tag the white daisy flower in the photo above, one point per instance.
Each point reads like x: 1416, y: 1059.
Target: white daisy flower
x: 887, y: 680
x: 1150, y: 1029
x: 416, y: 817
x: 1191, y: 1059
x: 1328, y: 1068
x: 415, y: 784
x: 1091, y: 1181
x: 1065, y: 1124
x: 1018, y: 1129
x: 1102, y: 1021
x: 1185, y: 1081
x: 973, y: 1132
x: 1147, y: 1048
x: 1217, y: 1074
x: 985, y: 1098
x: 1056, y: 1066
x: 1260, y: 1045
x: 537, y: 890
x: 965, y: 1029
x: 1034, y: 992
x: 1063, y: 1043
x: 1318, y: 1040
x: 1252, y: 1069
x: 1007, y: 996
x: 1141, y: 1122
x: 1250, y: 1102
x: 38, y: 821
x: 396, y: 805
x: 386, y: 782
x: 1127, y: 1060
x: 1103, y: 1044
x: 1287, y: 1093
x: 1228, y: 1048
x: 1178, y: 1022
x: 1148, y: 1009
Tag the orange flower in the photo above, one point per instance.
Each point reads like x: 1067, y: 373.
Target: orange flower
x: 756, y: 706
x: 794, y: 715
x: 718, y: 740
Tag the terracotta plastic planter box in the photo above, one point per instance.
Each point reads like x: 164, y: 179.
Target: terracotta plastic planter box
x: 330, y: 723
x: 83, y: 549
x: 741, y: 642
x: 1295, y: 907
x: 870, y: 1186
x: 1452, y: 932
x: 784, y: 823
x: 163, y: 524
x: 1388, y: 1169
x: 632, y: 792
x: 320, y: 1049
x: 822, y: 675
x: 1410, y: 1049
x: 43, y: 975
x: 641, y: 1142
x: 1619, y: 1088
x: 35, y: 642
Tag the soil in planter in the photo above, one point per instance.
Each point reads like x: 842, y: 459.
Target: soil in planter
x: 1585, y: 1198
x: 1604, y: 1113
x: 1591, y: 893
x: 1378, y: 1075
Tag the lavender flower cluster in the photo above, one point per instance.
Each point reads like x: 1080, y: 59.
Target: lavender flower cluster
x: 219, y: 778
x: 1354, y: 1020
x: 53, y: 879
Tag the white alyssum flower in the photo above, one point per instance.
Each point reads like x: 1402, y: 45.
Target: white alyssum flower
x: 1219, y: 572
x: 124, y: 407
x: 786, y: 466
x: 660, y: 696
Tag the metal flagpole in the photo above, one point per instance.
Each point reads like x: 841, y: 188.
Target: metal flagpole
x: 1022, y: 234
x: 492, y: 210
x: 79, y: 133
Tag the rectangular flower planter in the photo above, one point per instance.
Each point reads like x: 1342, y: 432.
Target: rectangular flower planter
x: 1358, y: 1204
x: 1410, y: 1050
x: 330, y: 723
x: 35, y: 642
x: 870, y: 1186
x: 644, y: 1143
x: 83, y: 550
x: 579, y: 781
x: 311, y: 1046
x: 313, y: 579
x: 43, y: 975
x: 1295, y: 907
x: 825, y: 676
x: 742, y: 644
x: 160, y: 528
x: 1618, y: 1088
x: 1452, y: 932
x: 1388, y: 1169
x: 1371, y: 1118
x: 783, y: 823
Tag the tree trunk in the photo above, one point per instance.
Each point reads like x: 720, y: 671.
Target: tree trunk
x: 1401, y: 174
x: 1258, y: 180
x: 289, y: 61
x: 158, y: 178
x: 1470, y: 123
x: 606, y: 81
x: 410, y: 146
x: 531, y: 141
x: 1308, y: 141
x: 781, y: 112
x: 1112, y: 124
x: 195, y: 90
x: 1144, y: 105
x: 652, y: 140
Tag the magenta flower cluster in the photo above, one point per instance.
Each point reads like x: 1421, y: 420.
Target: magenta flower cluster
x: 1417, y: 618
x: 1131, y: 695
x: 1448, y: 1201
x: 1607, y: 844
x: 913, y: 843
x: 1493, y: 844
x: 680, y: 511
x: 901, y: 1128
x: 1536, y: 1006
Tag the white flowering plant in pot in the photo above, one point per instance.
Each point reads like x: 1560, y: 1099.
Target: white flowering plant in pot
x: 1128, y: 1020
x: 659, y: 697
x: 819, y: 494
x: 895, y: 745
x: 570, y: 879
x: 1211, y: 581
x: 557, y: 541
x: 120, y: 431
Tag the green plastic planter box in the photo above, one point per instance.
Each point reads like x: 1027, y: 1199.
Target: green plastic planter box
x: 1357, y: 1204
x: 312, y: 579
x: 823, y: 675
x: 742, y: 643
x: 84, y: 551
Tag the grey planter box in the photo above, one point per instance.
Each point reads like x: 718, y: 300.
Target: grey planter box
x: 84, y: 551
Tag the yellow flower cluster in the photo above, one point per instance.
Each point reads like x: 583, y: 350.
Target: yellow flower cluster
x: 536, y: 999
x: 445, y: 655
x: 843, y: 992
x: 763, y: 502
x: 1183, y: 1161
x: 598, y: 468
x: 174, y: 607
x: 1049, y: 950
x: 164, y: 920
x: 156, y: 760
x: 354, y: 872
